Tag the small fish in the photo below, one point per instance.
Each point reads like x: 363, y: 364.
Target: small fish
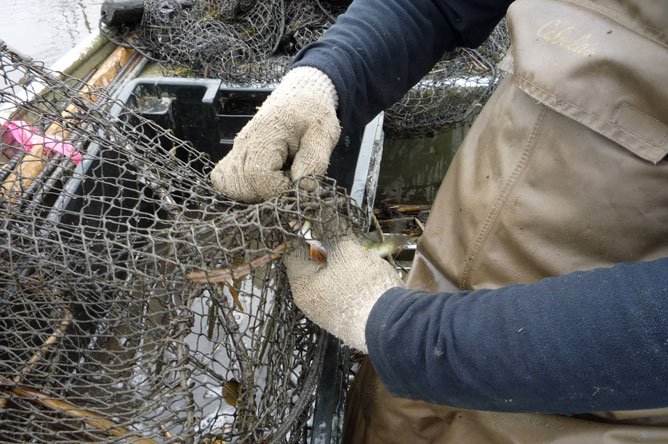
x: 317, y: 250
x: 318, y: 255
x: 391, y: 245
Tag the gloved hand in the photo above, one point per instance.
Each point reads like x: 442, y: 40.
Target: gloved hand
x: 339, y: 294
x: 298, y: 120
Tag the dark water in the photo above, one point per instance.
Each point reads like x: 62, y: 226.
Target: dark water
x: 46, y: 29
x: 411, y: 170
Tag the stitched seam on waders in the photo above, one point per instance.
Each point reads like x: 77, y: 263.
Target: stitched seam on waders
x: 522, y: 82
x: 614, y: 122
x: 500, y: 200
x: 560, y: 101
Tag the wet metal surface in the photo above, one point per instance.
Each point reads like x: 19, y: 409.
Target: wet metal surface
x: 47, y: 29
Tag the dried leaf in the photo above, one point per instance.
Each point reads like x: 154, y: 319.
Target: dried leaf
x: 213, y: 317
x: 231, y: 392
x: 235, y: 296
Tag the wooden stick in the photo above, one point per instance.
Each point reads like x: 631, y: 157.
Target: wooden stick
x: 410, y: 208
x: 37, y: 356
x: 223, y: 274
x: 60, y: 331
x: 90, y: 418
x: 419, y: 224
x: 397, y: 220
x: 376, y: 224
x: 34, y: 162
x: 165, y: 431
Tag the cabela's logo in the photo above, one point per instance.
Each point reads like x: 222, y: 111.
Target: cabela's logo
x: 555, y: 33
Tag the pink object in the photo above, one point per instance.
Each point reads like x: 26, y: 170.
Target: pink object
x: 18, y: 132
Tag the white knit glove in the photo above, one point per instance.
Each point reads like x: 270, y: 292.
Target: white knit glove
x: 298, y: 120
x: 339, y: 294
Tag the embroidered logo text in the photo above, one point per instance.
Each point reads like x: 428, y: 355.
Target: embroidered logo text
x: 555, y: 33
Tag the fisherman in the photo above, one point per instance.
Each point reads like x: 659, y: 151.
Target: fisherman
x: 540, y: 285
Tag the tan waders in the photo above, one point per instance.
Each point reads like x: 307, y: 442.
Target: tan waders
x: 563, y: 170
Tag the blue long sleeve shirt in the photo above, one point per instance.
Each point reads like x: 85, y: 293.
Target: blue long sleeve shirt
x: 588, y: 341
x: 378, y: 49
x: 583, y: 342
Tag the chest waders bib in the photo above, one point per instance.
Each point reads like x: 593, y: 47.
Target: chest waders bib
x: 563, y: 170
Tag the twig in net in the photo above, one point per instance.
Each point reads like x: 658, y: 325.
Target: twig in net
x: 60, y: 331
x: 90, y: 418
x: 232, y: 328
x: 221, y: 275
x: 120, y: 233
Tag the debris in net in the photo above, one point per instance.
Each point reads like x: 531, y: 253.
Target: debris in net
x: 224, y: 274
x: 231, y: 392
x: 40, y: 353
x: 86, y: 417
x: 453, y: 92
x: 104, y: 337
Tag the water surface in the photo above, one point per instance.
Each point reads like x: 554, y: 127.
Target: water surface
x: 47, y: 29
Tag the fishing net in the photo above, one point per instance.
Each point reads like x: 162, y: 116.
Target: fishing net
x: 236, y: 41
x: 253, y: 42
x: 453, y: 92
x: 137, y: 304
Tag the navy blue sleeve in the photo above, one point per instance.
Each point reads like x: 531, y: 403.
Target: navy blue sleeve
x: 378, y: 49
x: 587, y: 341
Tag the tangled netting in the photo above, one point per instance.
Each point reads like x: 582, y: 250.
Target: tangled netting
x: 137, y: 304
x: 249, y: 41
x: 453, y: 92
x: 245, y: 41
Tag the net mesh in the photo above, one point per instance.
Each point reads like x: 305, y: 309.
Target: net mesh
x: 453, y: 92
x: 246, y: 41
x: 138, y: 305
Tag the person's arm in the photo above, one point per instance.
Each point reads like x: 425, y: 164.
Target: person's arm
x: 587, y: 341
x: 365, y: 62
x: 378, y: 49
x: 374, y: 53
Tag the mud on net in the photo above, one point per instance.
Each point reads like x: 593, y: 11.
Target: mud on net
x: 137, y: 304
x: 250, y: 41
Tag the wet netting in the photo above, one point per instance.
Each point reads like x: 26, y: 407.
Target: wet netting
x: 453, y: 92
x: 137, y: 304
x: 244, y: 41
x: 249, y: 41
